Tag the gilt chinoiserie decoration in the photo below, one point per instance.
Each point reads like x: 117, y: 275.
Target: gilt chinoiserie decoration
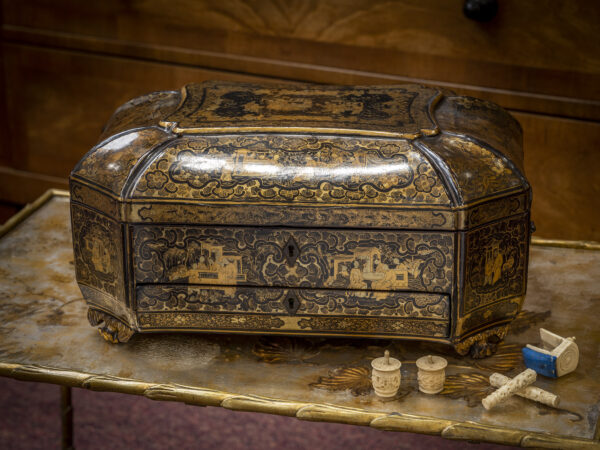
x: 375, y: 211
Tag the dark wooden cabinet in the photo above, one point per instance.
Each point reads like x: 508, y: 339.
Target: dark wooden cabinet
x: 67, y: 64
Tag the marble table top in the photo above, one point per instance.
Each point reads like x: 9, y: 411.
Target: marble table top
x: 45, y: 336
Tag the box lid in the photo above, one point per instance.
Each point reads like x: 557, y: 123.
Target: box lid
x: 390, y: 111
x: 291, y: 149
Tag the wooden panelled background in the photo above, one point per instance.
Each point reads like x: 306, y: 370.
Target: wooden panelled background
x: 67, y: 64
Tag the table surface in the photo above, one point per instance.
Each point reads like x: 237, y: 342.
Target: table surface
x: 45, y: 336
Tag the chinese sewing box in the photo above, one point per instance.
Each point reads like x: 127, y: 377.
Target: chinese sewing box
x: 373, y: 211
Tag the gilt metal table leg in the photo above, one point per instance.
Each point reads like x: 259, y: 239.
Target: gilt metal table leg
x: 66, y: 415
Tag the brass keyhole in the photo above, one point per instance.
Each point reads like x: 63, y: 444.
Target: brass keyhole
x: 291, y: 251
x: 291, y: 303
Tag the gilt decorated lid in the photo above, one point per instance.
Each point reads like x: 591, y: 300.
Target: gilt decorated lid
x: 398, y: 156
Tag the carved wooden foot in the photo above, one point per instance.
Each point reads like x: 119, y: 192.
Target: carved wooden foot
x: 482, y: 344
x: 111, y: 329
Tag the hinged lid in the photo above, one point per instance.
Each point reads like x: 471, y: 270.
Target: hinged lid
x: 328, y: 156
x: 393, y: 111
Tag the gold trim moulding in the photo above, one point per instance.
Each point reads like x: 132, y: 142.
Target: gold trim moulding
x: 563, y: 243
x: 317, y: 412
x: 299, y: 334
x: 172, y: 126
x: 30, y: 208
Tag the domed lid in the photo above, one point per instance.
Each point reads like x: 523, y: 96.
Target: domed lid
x: 386, y: 363
x: 431, y: 363
x: 384, y: 150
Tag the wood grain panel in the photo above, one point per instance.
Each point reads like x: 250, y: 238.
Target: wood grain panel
x: 562, y: 162
x: 541, y: 47
x: 315, y: 72
x: 59, y: 101
x: 19, y: 187
x: 5, y: 145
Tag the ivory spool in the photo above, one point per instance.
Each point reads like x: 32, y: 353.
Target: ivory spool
x: 522, y: 380
x: 386, y: 375
x: 530, y: 392
x: 432, y: 374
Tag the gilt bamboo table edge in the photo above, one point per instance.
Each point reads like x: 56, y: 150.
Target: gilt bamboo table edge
x: 450, y: 429
x: 316, y: 412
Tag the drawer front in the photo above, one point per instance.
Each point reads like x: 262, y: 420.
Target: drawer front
x: 382, y: 261
x: 325, y: 311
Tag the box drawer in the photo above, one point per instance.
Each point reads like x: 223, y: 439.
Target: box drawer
x: 310, y: 311
x: 343, y: 259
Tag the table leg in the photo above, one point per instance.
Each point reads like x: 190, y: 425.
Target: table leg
x: 66, y: 415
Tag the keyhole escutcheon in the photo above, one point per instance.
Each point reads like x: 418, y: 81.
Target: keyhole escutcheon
x: 291, y: 302
x: 291, y: 251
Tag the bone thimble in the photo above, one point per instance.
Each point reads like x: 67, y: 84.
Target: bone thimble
x: 386, y: 375
x: 432, y: 374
